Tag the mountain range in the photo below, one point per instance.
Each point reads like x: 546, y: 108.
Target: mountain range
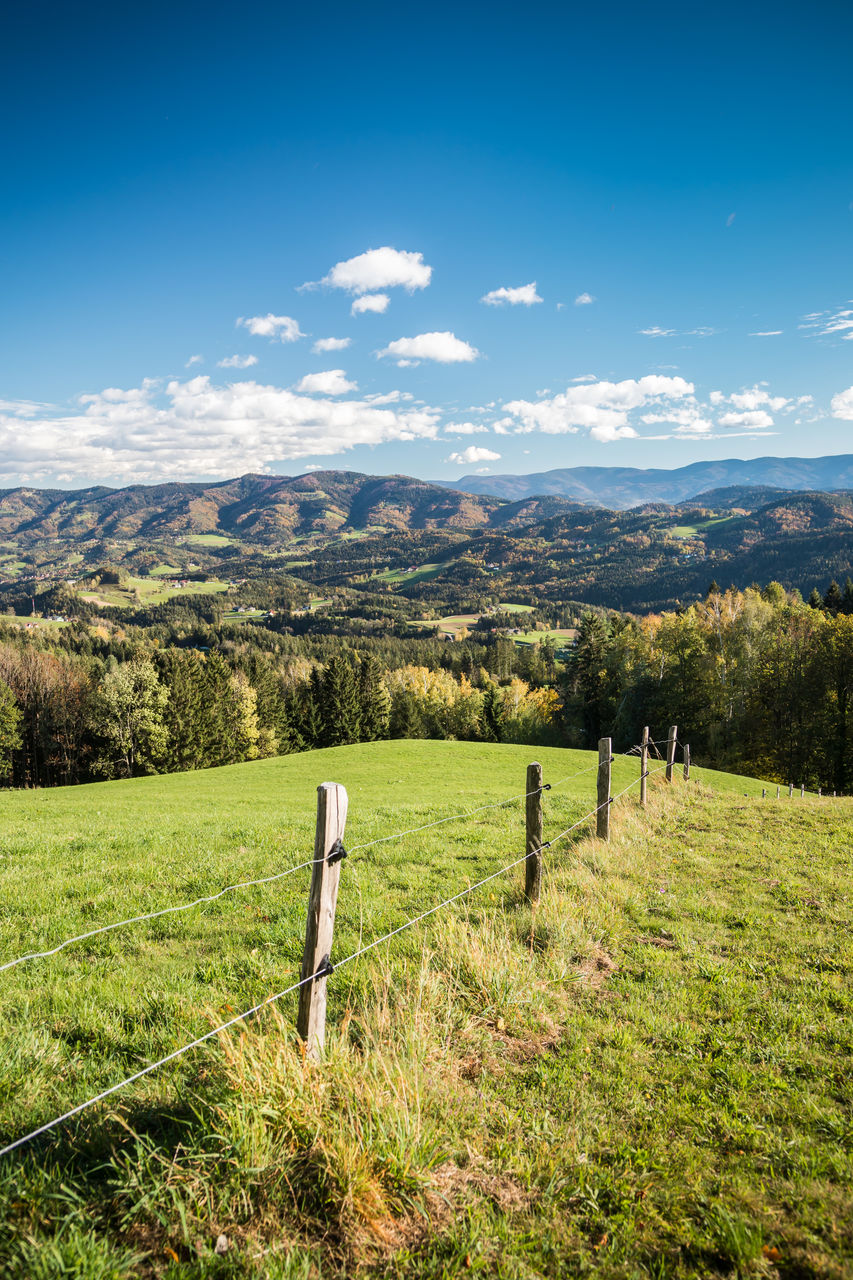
x: 266, y: 510
x: 619, y: 488
x: 274, y: 510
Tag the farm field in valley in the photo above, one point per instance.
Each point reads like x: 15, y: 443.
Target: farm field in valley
x: 649, y: 1075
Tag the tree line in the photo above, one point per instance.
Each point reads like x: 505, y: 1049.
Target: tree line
x: 760, y: 682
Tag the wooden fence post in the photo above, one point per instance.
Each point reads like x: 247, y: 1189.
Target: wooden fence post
x: 671, y: 740
x: 686, y: 761
x: 802, y: 790
x: 602, y: 817
x: 319, y: 927
x: 790, y: 789
x: 763, y: 793
x: 777, y: 793
x: 533, y: 816
x: 644, y: 766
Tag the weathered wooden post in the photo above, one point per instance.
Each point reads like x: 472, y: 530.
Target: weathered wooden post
x: 686, y: 762
x: 533, y: 816
x: 763, y: 793
x: 818, y: 793
x: 644, y: 766
x: 671, y: 740
x: 777, y: 793
x: 790, y: 790
x: 605, y: 760
x: 320, y: 925
x: 802, y: 790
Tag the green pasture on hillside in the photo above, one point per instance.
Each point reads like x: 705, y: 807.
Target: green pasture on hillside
x: 420, y: 574
x: 648, y: 1076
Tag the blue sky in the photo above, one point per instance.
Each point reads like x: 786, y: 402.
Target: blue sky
x: 169, y: 171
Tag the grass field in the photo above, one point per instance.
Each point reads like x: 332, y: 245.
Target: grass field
x: 150, y: 590
x: 691, y: 530
x: 419, y: 574
x: 554, y: 633
x: 651, y: 1076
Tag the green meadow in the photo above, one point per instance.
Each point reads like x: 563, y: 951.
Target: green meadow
x: 647, y: 1075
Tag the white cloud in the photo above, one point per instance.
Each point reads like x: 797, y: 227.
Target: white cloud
x: 474, y: 453
x: 444, y: 348
x: 755, y: 398
x: 655, y: 331
x: 750, y: 407
x: 24, y: 408
x: 585, y: 377
x: 330, y: 344
x: 194, y: 360
x: 687, y: 419
x: 464, y: 428
x: 237, y: 362
x: 153, y: 433
x: 730, y: 219
x: 584, y: 299
x: 751, y: 418
x: 830, y: 324
x: 383, y: 268
x: 285, y: 328
x: 842, y: 405
x: 602, y: 408
x: 370, y: 302
x: 332, y: 382
x: 524, y: 295
x: 766, y: 333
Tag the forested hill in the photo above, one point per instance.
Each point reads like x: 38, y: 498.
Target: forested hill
x: 622, y: 487
x: 261, y: 509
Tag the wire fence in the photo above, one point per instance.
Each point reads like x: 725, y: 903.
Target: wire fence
x: 247, y: 884
x: 334, y: 853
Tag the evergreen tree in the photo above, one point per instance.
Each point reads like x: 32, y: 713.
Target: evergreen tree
x: 847, y: 597
x: 10, y: 738
x: 815, y: 599
x: 341, y: 720
x: 832, y: 599
x: 406, y: 719
x: 492, y: 714
x: 374, y: 702
x: 189, y: 721
x: 588, y: 677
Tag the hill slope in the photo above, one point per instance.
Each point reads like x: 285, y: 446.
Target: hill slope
x: 601, y: 1088
x: 260, y: 509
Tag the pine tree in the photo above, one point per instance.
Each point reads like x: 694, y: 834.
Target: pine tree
x: 406, y: 719
x: 341, y: 721
x: 847, y: 597
x: 189, y: 720
x: 492, y: 714
x: 832, y: 599
x: 374, y: 701
x: 815, y: 599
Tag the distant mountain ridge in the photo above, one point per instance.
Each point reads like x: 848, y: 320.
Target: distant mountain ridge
x: 261, y: 509
x: 620, y: 488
